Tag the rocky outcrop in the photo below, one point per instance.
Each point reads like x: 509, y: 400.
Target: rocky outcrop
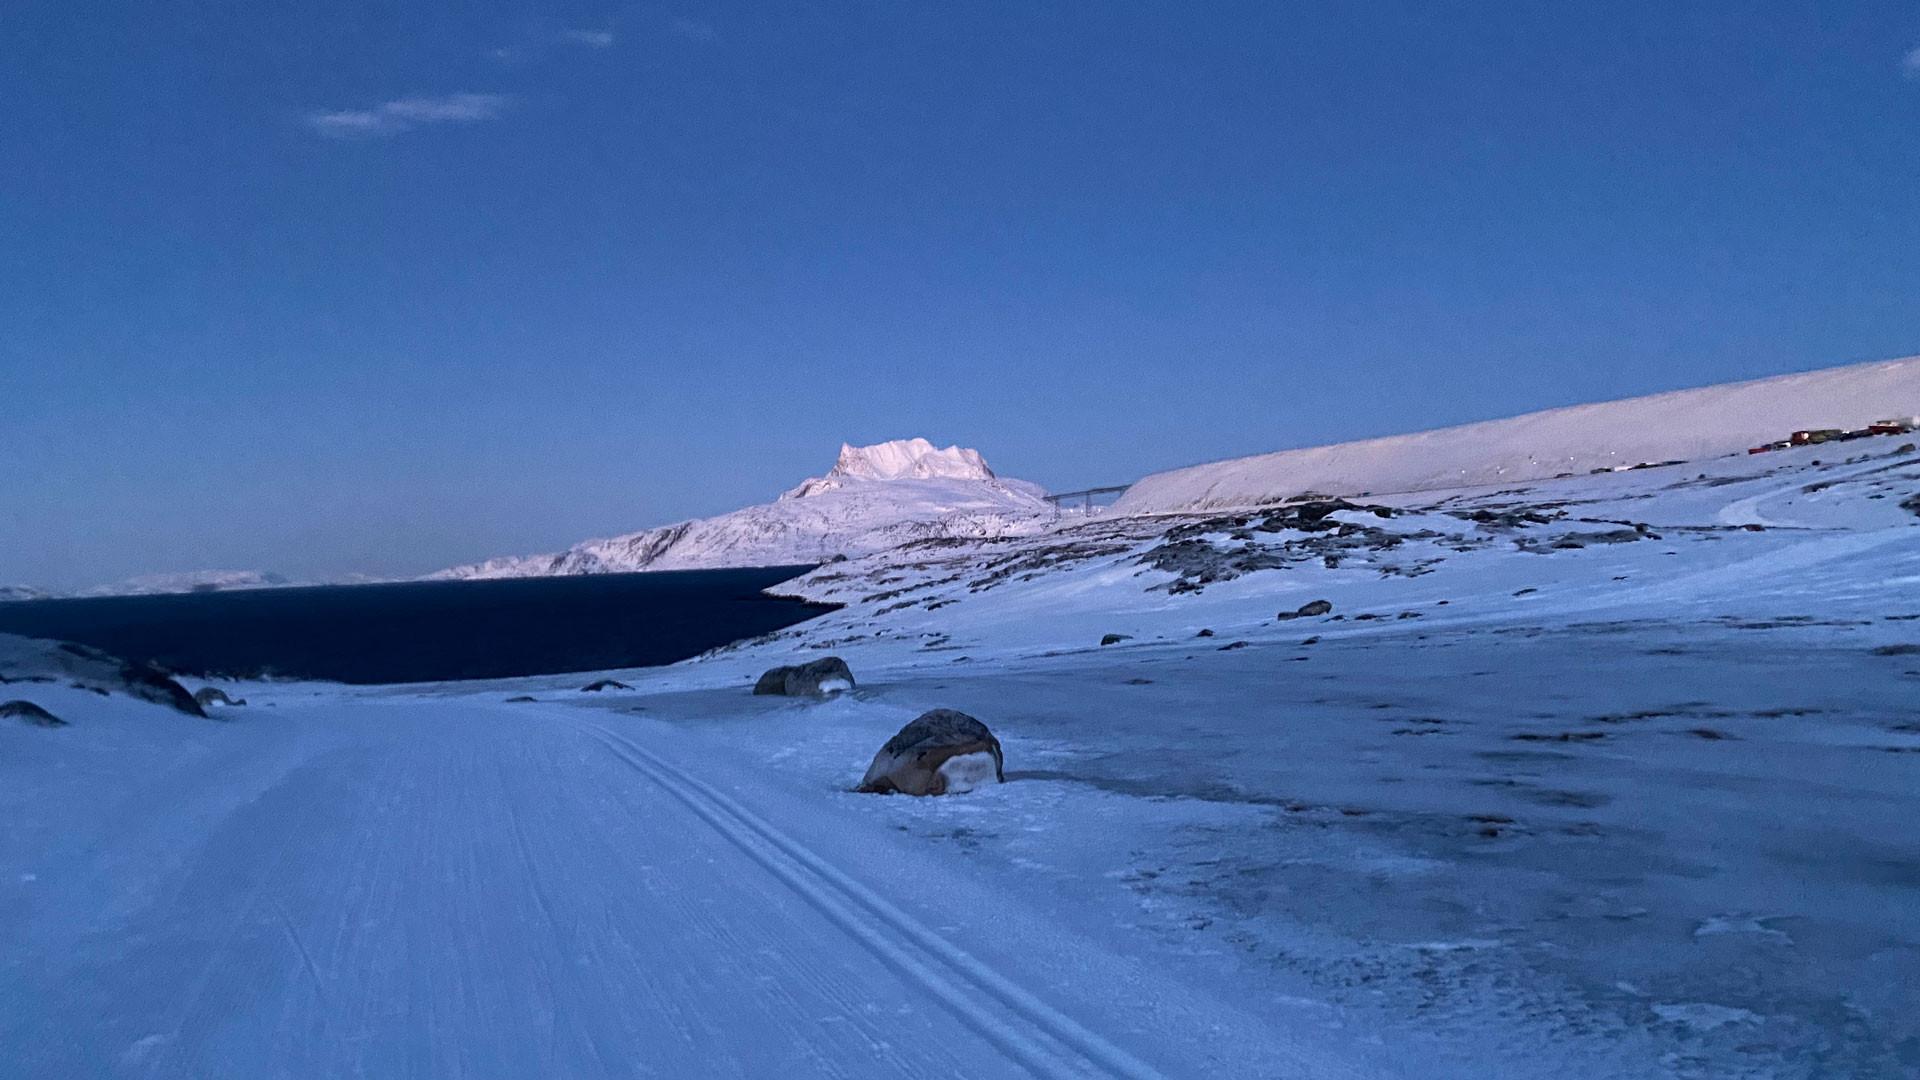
x: 935, y: 755
x: 208, y: 696
x: 818, y: 678
x: 28, y: 712
x: 33, y: 659
x: 604, y: 684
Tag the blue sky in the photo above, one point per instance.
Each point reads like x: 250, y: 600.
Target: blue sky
x: 353, y: 286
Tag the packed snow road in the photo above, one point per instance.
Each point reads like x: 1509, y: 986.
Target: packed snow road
x: 420, y: 887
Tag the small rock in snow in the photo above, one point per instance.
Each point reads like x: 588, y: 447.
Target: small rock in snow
x: 1310, y: 609
x: 30, y: 713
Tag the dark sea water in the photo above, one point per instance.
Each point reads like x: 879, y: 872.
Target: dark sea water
x: 424, y: 631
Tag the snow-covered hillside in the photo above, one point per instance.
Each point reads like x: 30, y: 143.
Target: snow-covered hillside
x: 875, y: 497
x: 1685, y: 425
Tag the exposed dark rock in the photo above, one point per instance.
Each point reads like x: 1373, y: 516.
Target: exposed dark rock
x: 1310, y: 609
x: 1204, y: 633
x: 1115, y: 639
x: 1575, y: 540
x: 213, y: 695
x: 911, y: 762
x: 816, y: 678
x: 30, y: 713
x: 1505, y: 519
x: 1897, y: 650
x: 604, y: 684
x: 521, y: 698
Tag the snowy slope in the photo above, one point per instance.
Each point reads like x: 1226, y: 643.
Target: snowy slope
x: 875, y: 497
x: 1684, y: 425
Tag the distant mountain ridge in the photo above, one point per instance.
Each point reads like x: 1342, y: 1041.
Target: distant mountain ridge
x: 875, y: 497
x: 190, y: 581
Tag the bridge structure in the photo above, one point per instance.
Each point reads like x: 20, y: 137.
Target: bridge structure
x: 1085, y: 496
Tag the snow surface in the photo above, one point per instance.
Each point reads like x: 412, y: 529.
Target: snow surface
x: 1683, y: 425
x: 875, y: 497
x: 1564, y: 806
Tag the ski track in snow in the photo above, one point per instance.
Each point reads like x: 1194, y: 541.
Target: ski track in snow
x: 1050, y: 1045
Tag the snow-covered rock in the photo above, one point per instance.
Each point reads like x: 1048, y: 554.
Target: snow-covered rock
x: 1683, y: 425
x: 874, y: 498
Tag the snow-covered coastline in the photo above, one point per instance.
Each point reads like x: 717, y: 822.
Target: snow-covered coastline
x: 1593, y: 777
x: 1603, y: 775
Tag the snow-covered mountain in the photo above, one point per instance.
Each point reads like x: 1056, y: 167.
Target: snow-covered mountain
x: 901, y: 459
x: 22, y: 592
x: 1684, y: 425
x: 874, y: 498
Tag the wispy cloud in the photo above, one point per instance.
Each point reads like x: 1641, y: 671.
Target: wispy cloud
x: 1910, y: 64
x: 592, y: 39
x: 405, y: 114
x: 692, y: 28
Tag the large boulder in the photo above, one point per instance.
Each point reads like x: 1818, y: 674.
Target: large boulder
x: 30, y: 713
x: 944, y: 751
x: 817, y: 678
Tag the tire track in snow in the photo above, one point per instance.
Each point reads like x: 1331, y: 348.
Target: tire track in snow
x: 1053, y: 1044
